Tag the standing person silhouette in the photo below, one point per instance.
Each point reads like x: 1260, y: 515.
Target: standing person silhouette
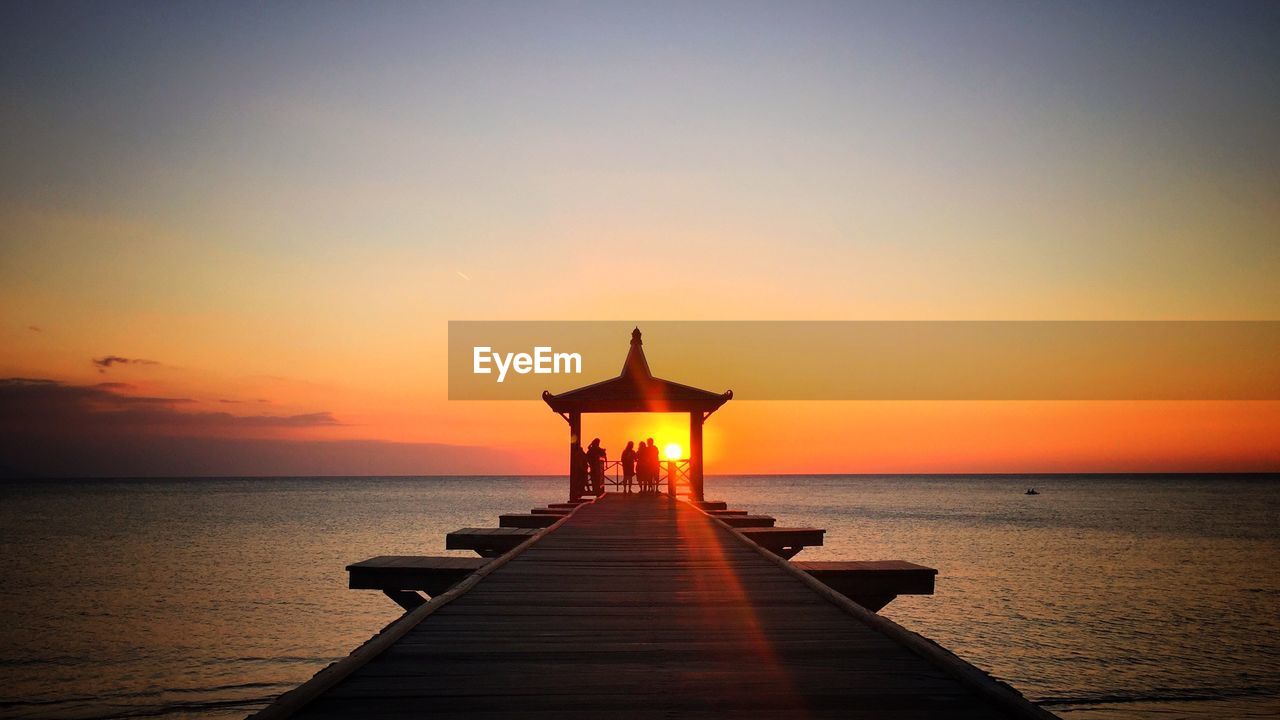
x: 642, y: 466
x: 595, y: 461
x: 581, y: 468
x: 651, y: 465
x: 628, y: 465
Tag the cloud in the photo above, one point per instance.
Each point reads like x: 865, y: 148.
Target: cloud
x: 107, y: 361
x: 53, y: 429
x: 108, y: 406
x: 138, y: 456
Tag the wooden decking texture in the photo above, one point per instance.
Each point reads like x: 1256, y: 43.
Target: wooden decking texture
x: 641, y: 607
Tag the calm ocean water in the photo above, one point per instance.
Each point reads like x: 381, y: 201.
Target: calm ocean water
x: 1103, y: 597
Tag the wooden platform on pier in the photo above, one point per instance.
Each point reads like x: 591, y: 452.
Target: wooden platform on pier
x: 488, y: 542
x: 411, y: 572
x: 647, y: 608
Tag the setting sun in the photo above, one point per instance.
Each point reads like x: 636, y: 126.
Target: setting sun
x: 672, y: 451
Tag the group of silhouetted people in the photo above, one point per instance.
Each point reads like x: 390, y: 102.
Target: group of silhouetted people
x: 641, y: 466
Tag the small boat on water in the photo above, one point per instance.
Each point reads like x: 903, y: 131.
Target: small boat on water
x: 1032, y: 491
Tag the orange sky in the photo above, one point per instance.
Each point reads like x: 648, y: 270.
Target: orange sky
x: 282, y: 230
x: 743, y: 437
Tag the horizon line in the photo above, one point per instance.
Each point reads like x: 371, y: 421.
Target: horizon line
x: 1213, y: 474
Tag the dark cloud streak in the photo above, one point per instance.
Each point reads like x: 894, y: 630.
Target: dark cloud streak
x: 138, y: 455
x: 53, y: 429
x: 33, y: 403
x: 105, y: 362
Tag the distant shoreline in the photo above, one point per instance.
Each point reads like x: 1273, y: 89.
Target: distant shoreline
x: 1272, y: 475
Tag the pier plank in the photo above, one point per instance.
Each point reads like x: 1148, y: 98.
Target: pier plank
x: 488, y: 542
x: 748, y: 521
x: 783, y: 541
x: 872, y: 583
x: 428, y: 573
x: 521, y: 520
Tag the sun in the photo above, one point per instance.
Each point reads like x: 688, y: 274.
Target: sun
x: 672, y: 451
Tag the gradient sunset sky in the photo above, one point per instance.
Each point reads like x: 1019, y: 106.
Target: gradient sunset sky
x: 232, y: 234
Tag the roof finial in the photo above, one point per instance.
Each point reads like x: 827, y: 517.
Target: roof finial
x: 635, y: 366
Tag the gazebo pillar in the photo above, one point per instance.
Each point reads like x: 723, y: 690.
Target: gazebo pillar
x: 696, y: 419
x: 577, y: 482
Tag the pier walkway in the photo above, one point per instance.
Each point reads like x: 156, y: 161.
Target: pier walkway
x: 647, y: 607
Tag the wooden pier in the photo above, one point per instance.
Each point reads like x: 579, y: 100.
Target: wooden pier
x: 645, y: 607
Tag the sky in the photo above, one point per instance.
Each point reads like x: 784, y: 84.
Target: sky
x: 232, y: 234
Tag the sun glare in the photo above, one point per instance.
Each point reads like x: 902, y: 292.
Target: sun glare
x: 672, y: 451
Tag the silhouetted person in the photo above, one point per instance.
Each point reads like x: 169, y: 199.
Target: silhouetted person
x: 581, y: 468
x: 595, y: 461
x: 651, y: 464
x: 642, y: 466
x: 628, y: 464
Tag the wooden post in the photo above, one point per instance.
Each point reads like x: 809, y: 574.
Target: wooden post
x: 407, y: 599
x: 577, y: 482
x: 672, y: 474
x: 695, y: 456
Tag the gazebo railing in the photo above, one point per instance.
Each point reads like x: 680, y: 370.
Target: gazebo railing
x: 677, y: 472
x: 669, y: 471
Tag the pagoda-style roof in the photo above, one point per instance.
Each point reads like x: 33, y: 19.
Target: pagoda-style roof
x: 635, y: 389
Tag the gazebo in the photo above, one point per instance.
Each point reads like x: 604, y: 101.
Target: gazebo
x: 636, y: 390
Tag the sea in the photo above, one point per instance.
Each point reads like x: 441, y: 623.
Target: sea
x: 1101, y: 597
